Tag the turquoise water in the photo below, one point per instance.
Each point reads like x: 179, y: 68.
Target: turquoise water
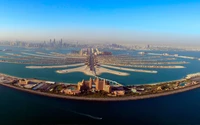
x: 134, y: 77
x: 21, y: 108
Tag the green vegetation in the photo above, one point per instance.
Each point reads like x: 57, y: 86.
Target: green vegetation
x: 98, y: 94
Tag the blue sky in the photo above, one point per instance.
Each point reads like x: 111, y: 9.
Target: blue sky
x: 97, y: 19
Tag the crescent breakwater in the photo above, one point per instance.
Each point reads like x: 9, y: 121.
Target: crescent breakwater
x: 121, y: 98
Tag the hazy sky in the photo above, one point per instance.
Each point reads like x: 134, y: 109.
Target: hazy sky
x: 102, y: 20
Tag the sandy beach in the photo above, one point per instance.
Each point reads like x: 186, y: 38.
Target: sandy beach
x: 83, y: 69
x: 78, y: 69
x: 86, y: 70
x: 128, y: 69
x: 30, y: 54
x: 104, y: 70
x: 154, y: 67
x: 56, y: 66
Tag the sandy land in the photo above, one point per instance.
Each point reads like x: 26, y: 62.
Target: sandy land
x: 42, y: 55
x: 83, y: 69
x: 159, y: 67
x: 184, y: 57
x: 86, y: 70
x: 78, y: 69
x: 105, y: 70
x: 154, y: 67
x: 12, y: 54
x: 105, y: 99
x: 56, y: 66
x: 128, y: 69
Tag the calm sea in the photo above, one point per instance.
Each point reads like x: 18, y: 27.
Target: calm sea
x: 18, y: 107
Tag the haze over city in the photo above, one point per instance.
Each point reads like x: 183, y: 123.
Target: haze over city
x: 89, y: 62
x: 121, y: 21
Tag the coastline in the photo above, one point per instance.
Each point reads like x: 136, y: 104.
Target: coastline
x: 86, y: 71
x: 55, y: 66
x: 128, y: 98
x: 129, y: 69
x: 107, y: 99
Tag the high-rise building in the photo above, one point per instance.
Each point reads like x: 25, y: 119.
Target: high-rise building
x: 107, y: 88
x: 85, y: 85
x: 99, y: 85
x: 60, y: 43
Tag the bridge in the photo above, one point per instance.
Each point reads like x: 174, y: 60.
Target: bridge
x: 110, y: 81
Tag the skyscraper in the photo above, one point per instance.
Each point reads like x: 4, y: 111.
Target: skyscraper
x: 61, y: 43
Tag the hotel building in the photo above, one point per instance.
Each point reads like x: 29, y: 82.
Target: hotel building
x: 96, y: 84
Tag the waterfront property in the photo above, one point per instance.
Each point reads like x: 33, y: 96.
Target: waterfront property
x: 97, y: 89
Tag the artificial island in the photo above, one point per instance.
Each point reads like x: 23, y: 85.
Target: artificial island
x: 92, y: 62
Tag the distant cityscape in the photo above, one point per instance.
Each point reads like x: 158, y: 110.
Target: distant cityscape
x: 54, y: 44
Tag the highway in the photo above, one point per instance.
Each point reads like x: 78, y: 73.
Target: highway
x: 91, y: 61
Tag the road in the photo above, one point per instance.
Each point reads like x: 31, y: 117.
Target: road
x: 91, y: 61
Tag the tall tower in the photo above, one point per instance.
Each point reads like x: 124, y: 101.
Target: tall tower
x: 61, y: 43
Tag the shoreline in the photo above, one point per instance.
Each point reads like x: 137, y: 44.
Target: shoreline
x: 55, y: 66
x: 129, y: 69
x: 109, y: 99
x: 106, y: 99
x: 85, y: 69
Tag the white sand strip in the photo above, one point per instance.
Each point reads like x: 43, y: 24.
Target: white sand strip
x: 128, y: 69
x: 42, y: 55
x: 83, y: 69
x: 56, y: 66
x: 86, y: 70
x: 101, y: 70
x: 151, y: 66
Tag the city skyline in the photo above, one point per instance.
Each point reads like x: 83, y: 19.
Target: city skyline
x: 101, y: 21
